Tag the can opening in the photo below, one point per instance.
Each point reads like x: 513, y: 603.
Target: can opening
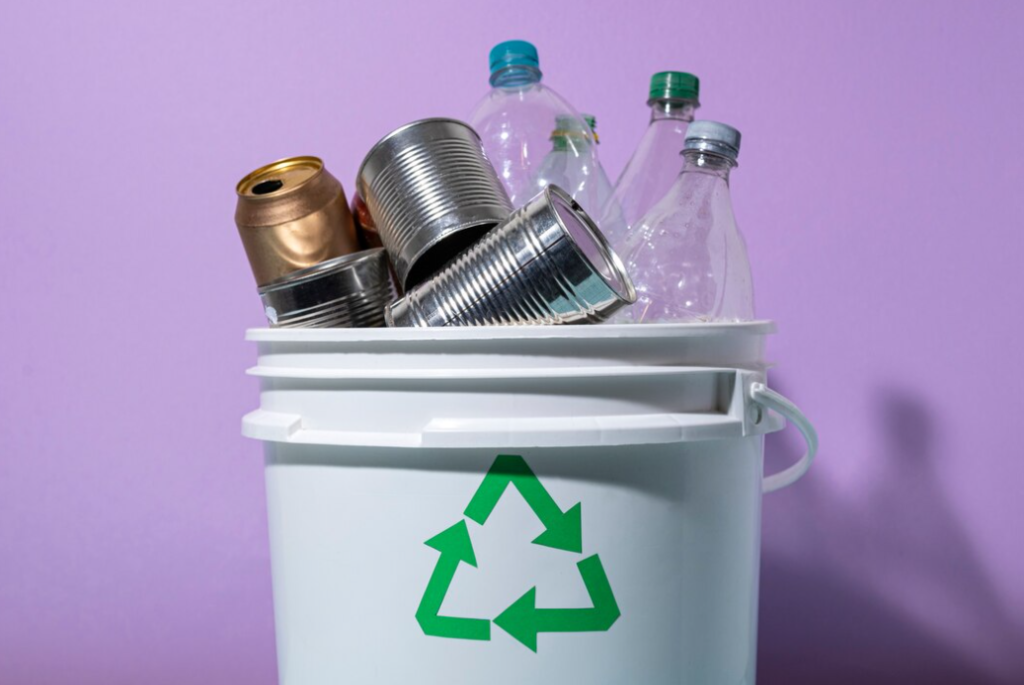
x: 267, y: 187
x: 591, y: 242
x: 444, y: 251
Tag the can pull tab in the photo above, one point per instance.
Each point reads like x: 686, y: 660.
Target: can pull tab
x: 765, y: 397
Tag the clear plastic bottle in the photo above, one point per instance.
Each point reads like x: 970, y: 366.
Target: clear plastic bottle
x: 686, y: 256
x: 571, y: 164
x: 673, y: 99
x: 514, y: 120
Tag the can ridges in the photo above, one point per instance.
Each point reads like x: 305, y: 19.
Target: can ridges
x: 423, y: 184
x: 364, y: 311
x: 530, y: 270
x: 374, y: 155
x: 348, y: 291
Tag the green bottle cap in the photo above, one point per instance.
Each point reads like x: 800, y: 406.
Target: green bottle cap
x: 674, y: 85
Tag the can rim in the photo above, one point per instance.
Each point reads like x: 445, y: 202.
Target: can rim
x: 612, y: 260
x: 401, y: 129
x: 277, y: 165
x: 326, y: 267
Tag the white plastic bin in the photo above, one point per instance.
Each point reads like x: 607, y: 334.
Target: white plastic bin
x: 517, y: 505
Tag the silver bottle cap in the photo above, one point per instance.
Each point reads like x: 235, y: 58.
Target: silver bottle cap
x: 712, y: 136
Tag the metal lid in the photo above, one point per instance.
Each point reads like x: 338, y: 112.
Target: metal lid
x: 712, y: 136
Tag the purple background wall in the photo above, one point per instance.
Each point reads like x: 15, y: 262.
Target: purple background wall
x: 879, y: 190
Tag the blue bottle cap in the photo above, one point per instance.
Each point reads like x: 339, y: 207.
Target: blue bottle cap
x: 514, y: 53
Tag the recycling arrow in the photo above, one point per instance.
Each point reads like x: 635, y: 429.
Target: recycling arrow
x: 523, y: 620
x: 455, y: 547
x: 563, y: 530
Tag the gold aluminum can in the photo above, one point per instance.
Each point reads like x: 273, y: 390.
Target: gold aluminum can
x: 291, y: 215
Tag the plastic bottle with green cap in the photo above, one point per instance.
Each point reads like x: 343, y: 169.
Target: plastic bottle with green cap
x: 515, y: 119
x: 673, y: 99
x: 571, y: 164
x: 686, y: 256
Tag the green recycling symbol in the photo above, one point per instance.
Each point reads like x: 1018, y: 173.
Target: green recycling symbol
x: 523, y: 620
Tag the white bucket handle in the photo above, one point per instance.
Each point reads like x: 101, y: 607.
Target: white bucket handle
x: 762, y: 395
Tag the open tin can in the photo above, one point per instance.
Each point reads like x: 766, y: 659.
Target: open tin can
x: 431, y: 193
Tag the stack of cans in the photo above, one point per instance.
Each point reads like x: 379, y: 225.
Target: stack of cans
x: 303, y: 248
x: 430, y: 216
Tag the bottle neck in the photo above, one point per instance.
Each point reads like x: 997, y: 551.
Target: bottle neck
x: 707, y: 163
x: 576, y: 142
x: 679, y: 110
x: 515, y: 76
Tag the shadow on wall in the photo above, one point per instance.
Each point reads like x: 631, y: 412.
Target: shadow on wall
x: 870, y: 591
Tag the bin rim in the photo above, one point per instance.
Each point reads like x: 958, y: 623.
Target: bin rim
x: 600, y: 331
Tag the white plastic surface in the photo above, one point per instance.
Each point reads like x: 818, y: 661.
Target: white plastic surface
x: 676, y: 527
x: 505, y: 407
x: 376, y: 441
x: 513, y: 347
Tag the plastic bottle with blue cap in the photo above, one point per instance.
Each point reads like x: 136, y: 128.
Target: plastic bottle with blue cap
x: 687, y: 257
x: 515, y: 121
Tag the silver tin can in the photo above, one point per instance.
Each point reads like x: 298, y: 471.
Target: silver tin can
x: 344, y: 292
x: 431, y: 193
x: 547, y: 264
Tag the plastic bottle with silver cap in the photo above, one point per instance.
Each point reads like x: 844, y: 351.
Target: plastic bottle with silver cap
x: 687, y: 257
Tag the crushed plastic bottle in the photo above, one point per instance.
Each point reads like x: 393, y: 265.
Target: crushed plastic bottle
x: 687, y: 257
